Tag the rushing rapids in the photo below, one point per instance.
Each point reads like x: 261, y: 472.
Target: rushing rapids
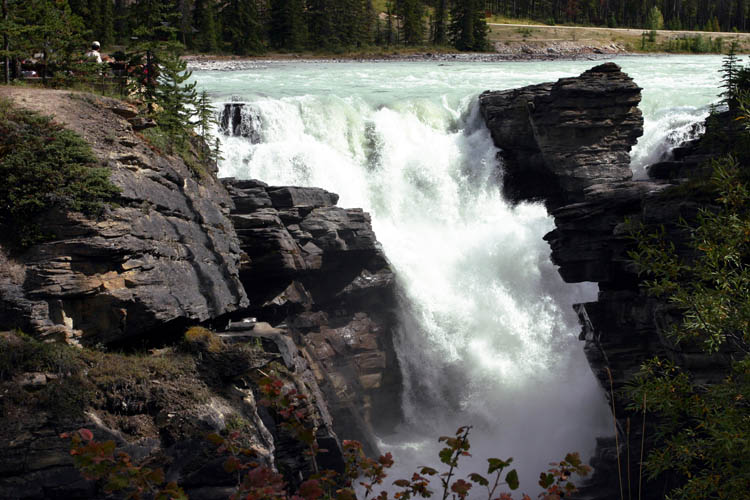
x: 487, y: 335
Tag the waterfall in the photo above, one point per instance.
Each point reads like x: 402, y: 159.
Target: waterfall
x: 487, y: 335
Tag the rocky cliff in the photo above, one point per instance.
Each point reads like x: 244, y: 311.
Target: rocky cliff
x: 290, y: 284
x: 318, y: 269
x: 573, y: 137
x: 165, y: 255
x: 557, y: 139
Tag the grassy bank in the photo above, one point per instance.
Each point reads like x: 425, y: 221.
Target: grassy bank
x: 632, y: 40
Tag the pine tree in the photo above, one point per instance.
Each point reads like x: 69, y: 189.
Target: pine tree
x: 242, y: 27
x: 468, y: 29
x: 321, y: 29
x: 287, y: 24
x: 390, y: 38
x: 175, y: 98
x: 439, y: 34
x: 411, y: 14
x: 50, y: 26
x: 120, y: 19
x: 729, y: 70
x: 204, y: 21
x: 151, y: 42
x: 106, y: 24
x: 206, y: 116
x: 184, y: 21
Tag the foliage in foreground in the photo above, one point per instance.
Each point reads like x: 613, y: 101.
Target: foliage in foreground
x: 99, y: 461
x: 701, y: 433
x: 44, y: 166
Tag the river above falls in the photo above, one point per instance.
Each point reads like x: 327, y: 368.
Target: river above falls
x: 488, y: 337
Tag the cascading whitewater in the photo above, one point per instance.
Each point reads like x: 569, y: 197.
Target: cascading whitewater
x: 488, y: 335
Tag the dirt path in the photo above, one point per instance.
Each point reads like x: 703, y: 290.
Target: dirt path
x: 76, y: 111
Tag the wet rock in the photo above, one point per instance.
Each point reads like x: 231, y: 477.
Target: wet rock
x: 237, y: 119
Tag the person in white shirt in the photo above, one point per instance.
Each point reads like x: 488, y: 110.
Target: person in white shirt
x: 94, y: 53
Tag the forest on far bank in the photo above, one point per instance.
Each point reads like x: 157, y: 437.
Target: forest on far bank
x: 248, y: 27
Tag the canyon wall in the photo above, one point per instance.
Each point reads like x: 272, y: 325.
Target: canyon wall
x: 567, y: 144
x: 289, y: 283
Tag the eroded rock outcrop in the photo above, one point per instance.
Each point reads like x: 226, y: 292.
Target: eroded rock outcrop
x: 592, y: 196
x: 165, y: 254
x: 318, y: 269
x: 559, y: 138
x: 160, y: 408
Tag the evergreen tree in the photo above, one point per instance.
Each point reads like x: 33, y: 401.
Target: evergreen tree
x: 106, y: 25
x: 175, y: 98
x: 287, y: 24
x: 321, y: 29
x: 204, y: 21
x: 5, y: 28
x: 184, y: 21
x: 439, y: 34
x: 729, y: 70
x: 14, y: 29
x: 153, y: 40
x: 53, y: 30
x: 468, y: 29
x: 120, y: 19
x: 655, y: 20
x: 390, y: 36
x: 242, y: 27
x: 411, y: 15
x: 206, y: 116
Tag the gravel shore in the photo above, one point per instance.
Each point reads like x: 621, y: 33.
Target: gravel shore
x: 511, y: 51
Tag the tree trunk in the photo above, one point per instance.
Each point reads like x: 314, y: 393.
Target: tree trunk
x: 6, y: 44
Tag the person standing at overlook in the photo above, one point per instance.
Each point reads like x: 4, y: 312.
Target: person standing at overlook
x: 94, y: 53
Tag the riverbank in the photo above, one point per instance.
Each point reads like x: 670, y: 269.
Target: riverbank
x: 520, y: 52
x: 512, y: 42
x: 510, y: 38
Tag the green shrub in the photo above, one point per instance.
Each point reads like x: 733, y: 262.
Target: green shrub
x: 44, y: 166
x: 20, y: 354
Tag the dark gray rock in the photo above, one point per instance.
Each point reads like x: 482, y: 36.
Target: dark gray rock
x: 237, y: 119
x: 166, y: 254
x: 559, y: 138
x: 319, y: 269
x: 567, y: 144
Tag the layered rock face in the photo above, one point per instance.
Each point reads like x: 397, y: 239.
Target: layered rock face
x: 559, y: 138
x: 165, y: 254
x: 580, y: 147
x: 319, y: 270
x: 178, y: 248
